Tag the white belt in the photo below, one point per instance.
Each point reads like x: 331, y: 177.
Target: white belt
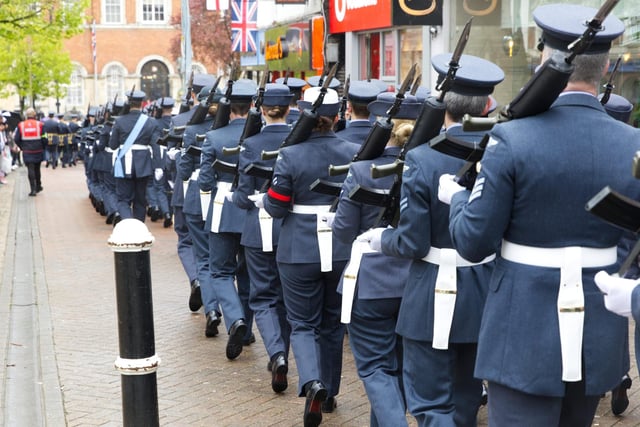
x: 266, y: 230
x: 325, y: 245
x: 446, y: 290
x: 218, y: 204
x: 205, y: 196
x: 128, y: 156
x: 350, y: 277
x: 570, y: 305
x: 109, y: 150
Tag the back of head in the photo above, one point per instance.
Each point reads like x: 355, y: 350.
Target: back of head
x: 562, y: 24
x: 30, y: 113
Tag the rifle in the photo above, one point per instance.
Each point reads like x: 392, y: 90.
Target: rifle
x: 307, y: 121
x: 224, y: 106
x: 620, y: 211
x: 380, y: 132
x: 202, y: 109
x: 252, y: 126
x: 608, y: 88
x: 342, y: 115
x: 127, y: 105
x: 427, y: 126
x: 187, y: 102
x: 416, y: 85
x: 548, y: 81
x: 432, y: 112
x: 173, y: 135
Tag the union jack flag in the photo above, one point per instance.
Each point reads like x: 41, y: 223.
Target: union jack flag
x: 244, y: 28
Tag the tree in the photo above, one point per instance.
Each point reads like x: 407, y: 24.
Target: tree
x: 33, y: 60
x: 210, y: 36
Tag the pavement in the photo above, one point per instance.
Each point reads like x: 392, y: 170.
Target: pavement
x: 59, y: 334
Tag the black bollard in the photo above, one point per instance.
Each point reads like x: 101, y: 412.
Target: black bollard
x: 138, y: 362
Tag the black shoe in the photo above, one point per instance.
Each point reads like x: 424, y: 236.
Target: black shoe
x: 250, y: 340
x: 116, y: 219
x: 64, y: 166
x: 39, y: 188
x: 316, y: 394
x: 213, y: 320
x: 329, y: 405
x: 155, y: 214
x: 234, y: 344
x: 33, y: 193
x: 279, y: 369
x: 149, y: 210
x: 619, y: 399
x: 195, y: 299
x: 167, y: 220
x: 46, y: 165
x: 110, y: 218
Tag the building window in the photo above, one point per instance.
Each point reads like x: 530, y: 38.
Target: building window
x: 75, y: 93
x: 114, y: 76
x: 389, y: 54
x: 153, y: 11
x: 112, y: 11
x: 155, y: 80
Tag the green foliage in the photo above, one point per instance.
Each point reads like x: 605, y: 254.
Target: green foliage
x: 33, y: 60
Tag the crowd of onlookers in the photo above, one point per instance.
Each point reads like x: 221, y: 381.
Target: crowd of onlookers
x: 9, y: 152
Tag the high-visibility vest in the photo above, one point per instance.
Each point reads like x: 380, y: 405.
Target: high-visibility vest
x: 30, y: 130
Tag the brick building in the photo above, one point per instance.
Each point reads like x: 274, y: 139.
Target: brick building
x: 131, y: 40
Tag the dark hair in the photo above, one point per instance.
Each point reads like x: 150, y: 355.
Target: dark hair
x: 240, y: 108
x: 360, y: 110
x: 325, y: 124
x: 275, y: 111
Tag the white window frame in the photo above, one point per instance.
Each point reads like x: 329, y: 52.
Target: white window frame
x: 104, y: 12
x: 110, y: 82
x: 75, y: 88
x: 166, y: 4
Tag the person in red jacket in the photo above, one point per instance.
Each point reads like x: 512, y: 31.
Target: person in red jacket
x: 31, y: 139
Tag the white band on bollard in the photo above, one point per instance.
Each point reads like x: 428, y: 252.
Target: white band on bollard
x: 137, y: 366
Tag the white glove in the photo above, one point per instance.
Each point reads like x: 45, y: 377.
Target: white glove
x: 257, y: 199
x: 447, y: 188
x: 229, y: 196
x: 617, y: 292
x: 328, y: 217
x: 172, y: 153
x: 158, y: 174
x: 374, y: 237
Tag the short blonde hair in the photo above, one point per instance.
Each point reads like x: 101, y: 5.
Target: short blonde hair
x: 30, y: 112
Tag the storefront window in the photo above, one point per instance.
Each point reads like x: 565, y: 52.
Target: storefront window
x: 504, y: 32
x: 369, y: 45
x: 410, y: 49
x: 389, y: 52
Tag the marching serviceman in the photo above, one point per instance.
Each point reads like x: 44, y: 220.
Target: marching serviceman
x: 440, y: 345
x: 195, y: 215
x: 361, y: 93
x: 295, y: 86
x: 260, y: 235
x: 226, y: 221
x: 380, y: 280
x: 51, y: 131
x: 548, y: 347
x: 310, y: 260
x: 135, y: 137
x: 31, y: 138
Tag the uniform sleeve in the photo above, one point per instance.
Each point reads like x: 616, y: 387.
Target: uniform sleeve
x: 206, y: 178
x: 114, y: 139
x: 478, y: 220
x: 280, y: 195
x: 346, y: 224
x: 187, y: 163
x: 246, y: 183
x: 412, y: 237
